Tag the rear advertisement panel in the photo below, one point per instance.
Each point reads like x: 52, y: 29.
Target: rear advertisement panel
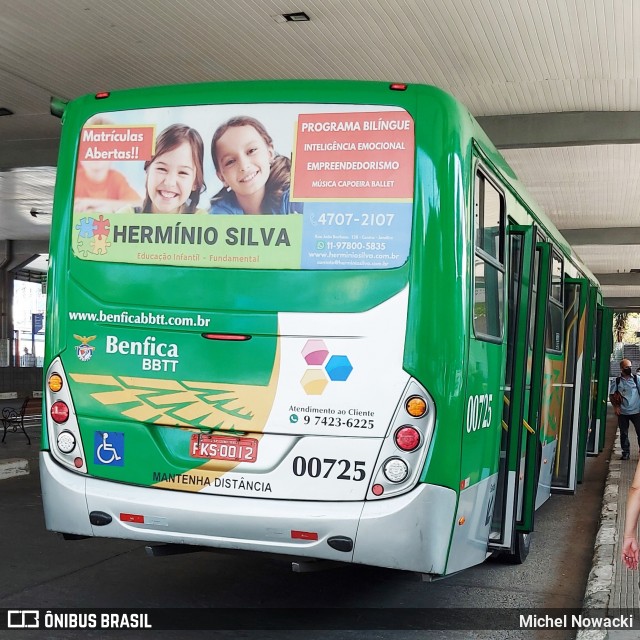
x: 263, y: 186
x: 227, y: 401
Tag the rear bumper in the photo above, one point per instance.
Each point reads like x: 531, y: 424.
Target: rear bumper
x: 409, y: 532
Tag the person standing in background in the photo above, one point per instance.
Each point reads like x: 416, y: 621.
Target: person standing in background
x: 624, y: 394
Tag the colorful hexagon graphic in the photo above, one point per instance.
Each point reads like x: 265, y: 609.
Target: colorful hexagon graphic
x: 339, y: 368
x: 315, y: 352
x: 314, y: 382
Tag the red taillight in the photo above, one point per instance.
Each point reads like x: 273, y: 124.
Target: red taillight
x: 132, y: 517
x: 59, y: 412
x: 407, y: 438
x: 398, y: 86
x: 101, y: 95
x: 304, y: 535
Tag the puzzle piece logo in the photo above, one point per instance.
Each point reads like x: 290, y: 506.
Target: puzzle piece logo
x: 100, y: 245
x: 92, y: 236
x: 84, y: 247
x: 101, y: 227
x: 86, y: 227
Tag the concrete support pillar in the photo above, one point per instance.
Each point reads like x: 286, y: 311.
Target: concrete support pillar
x: 6, y: 289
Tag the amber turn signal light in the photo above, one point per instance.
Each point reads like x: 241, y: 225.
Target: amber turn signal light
x: 416, y: 406
x: 55, y: 382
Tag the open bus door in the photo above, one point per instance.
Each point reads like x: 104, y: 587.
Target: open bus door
x: 587, y: 386
x: 572, y: 433
x: 514, y: 497
x: 594, y: 424
x: 604, y: 348
x: 538, y: 327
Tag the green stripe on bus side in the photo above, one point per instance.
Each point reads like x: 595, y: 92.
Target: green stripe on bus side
x: 437, y: 339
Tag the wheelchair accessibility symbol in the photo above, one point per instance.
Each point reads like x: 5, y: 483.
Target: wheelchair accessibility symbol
x: 109, y: 448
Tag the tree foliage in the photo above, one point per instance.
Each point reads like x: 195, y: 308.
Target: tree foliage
x: 620, y: 322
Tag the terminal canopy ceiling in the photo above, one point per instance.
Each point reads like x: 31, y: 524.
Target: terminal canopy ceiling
x: 556, y: 84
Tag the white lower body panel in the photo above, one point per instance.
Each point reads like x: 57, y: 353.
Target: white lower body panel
x: 408, y: 532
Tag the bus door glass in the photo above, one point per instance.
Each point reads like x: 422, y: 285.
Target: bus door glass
x: 565, y: 462
x: 605, y: 346
x: 583, y: 402
x: 552, y: 392
x: 594, y: 422
x: 539, y: 473
x: 589, y: 385
x: 533, y: 387
x: 510, y: 494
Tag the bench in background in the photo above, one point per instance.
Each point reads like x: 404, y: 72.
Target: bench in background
x: 29, y: 414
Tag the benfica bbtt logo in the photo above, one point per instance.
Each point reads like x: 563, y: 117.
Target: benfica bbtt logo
x: 84, y: 351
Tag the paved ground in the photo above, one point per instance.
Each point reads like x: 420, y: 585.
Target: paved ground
x: 39, y: 569
x: 611, y: 585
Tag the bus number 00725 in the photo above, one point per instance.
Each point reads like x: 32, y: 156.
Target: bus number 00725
x: 479, y: 412
x: 341, y: 469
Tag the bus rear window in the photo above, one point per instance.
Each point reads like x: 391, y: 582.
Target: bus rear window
x: 257, y: 186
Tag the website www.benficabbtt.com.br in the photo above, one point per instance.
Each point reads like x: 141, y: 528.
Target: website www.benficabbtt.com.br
x: 149, y: 319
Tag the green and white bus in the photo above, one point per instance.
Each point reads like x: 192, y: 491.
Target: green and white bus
x: 394, y: 364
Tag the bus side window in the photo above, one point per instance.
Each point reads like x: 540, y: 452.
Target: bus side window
x: 534, y: 297
x: 489, y: 233
x: 555, y: 307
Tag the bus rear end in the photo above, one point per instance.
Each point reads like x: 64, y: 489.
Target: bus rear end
x: 231, y: 380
